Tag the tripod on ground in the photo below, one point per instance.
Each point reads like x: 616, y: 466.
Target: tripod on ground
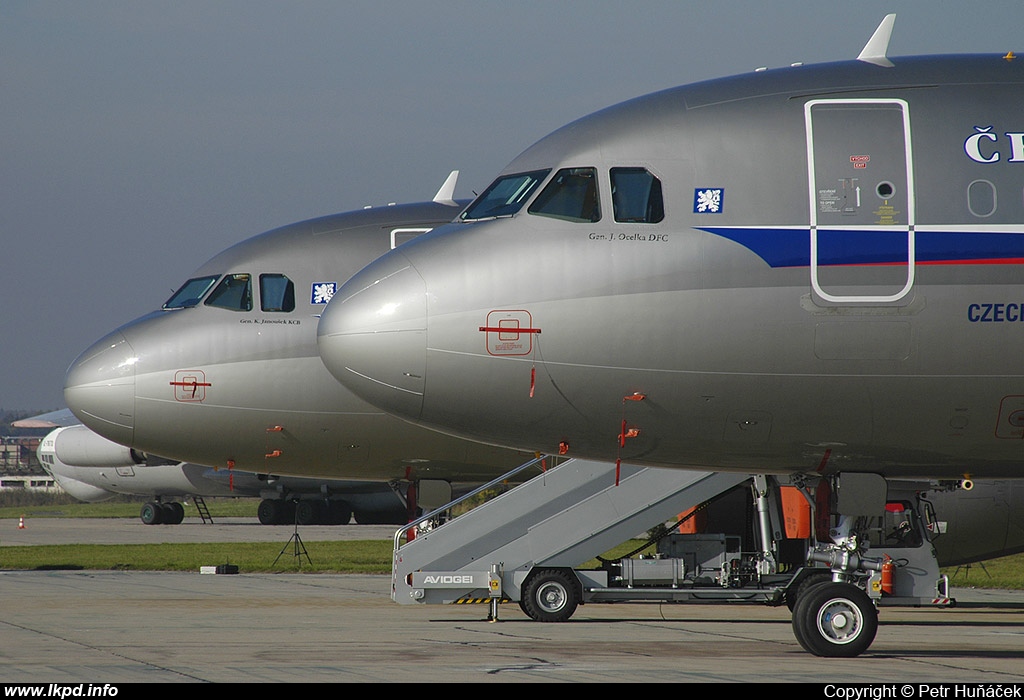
x: 298, y: 548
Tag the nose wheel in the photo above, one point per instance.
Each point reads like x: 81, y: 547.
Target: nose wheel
x: 835, y: 620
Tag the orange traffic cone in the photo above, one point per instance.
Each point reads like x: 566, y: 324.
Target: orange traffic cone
x: 21, y: 523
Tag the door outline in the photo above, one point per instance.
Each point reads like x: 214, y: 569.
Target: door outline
x: 813, y: 202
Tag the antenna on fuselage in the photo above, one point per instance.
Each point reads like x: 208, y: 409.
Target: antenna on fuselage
x: 446, y: 195
x: 874, y: 51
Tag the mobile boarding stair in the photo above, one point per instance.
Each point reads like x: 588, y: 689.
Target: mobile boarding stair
x: 562, y: 518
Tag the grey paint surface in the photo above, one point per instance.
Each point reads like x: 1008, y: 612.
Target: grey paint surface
x: 748, y: 355
x: 263, y: 402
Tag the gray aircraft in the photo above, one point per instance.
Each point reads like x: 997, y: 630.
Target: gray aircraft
x: 809, y: 270
x: 93, y: 469
x: 227, y: 374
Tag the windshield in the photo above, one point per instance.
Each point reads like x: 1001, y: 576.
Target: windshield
x: 190, y: 293
x: 571, y: 195
x: 234, y: 292
x: 505, y: 196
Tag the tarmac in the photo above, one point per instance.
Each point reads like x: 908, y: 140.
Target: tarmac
x: 96, y: 627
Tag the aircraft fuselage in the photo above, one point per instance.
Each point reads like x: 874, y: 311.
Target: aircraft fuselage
x: 235, y: 380
x: 831, y: 281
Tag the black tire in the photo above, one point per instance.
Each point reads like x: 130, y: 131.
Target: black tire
x: 173, y: 513
x: 286, y: 516
x: 309, y: 512
x: 551, y: 595
x: 269, y: 512
x: 151, y: 513
x: 811, y: 580
x: 835, y: 620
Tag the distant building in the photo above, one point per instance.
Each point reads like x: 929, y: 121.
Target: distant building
x: 29, y: 483
x: 18, y: 457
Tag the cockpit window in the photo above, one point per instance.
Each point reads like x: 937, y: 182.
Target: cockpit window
x: 636, y: 196
x: 571, y: 195
x: 190, y: 293
x: 505, y: 196
x: 234, y: 292
x: 277, y: 293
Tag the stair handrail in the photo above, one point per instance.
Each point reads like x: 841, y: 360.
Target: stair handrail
x: 465, y: 497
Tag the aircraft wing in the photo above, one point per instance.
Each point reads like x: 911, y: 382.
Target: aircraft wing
x: 54, y: 419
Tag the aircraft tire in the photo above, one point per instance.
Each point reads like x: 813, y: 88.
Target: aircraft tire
x: 269, y: 512
x: 309, y: 512
x: 550, y: 595
x: 173, y: 513
x: 792, y: 596
x: 151, y: 513
x: 835, y: 620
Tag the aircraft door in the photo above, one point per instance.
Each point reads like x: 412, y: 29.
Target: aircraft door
x: 861, y: 199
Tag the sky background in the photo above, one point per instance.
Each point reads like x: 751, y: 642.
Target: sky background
x: 139, y: 138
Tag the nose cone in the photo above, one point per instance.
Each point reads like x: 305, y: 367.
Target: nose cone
x: 373, y: 335
x: 100, y: 388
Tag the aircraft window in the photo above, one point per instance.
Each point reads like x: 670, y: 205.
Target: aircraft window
x: 234, y: 292
x: 636, y: 196
x: 571, y: 195
x: 190, y: 293
x: 505, y: 196
x: 277, y: 293
x: 981, y: 198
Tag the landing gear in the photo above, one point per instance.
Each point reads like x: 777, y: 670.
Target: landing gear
x: 273, y: 511
x: 551, y: 595
x: 309, y: 512
x: 794, y: 593
x: 153, y: 513
x: 835, y: 620
x: 173, y: 513
x: 269, y: 512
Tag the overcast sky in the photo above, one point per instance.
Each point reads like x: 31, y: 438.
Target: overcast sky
x: 139, y: 138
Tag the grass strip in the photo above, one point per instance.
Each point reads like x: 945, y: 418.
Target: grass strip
x: 340, y: 557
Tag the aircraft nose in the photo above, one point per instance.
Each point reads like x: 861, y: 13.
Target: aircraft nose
x: 373, y: 335
x: 100, y: 388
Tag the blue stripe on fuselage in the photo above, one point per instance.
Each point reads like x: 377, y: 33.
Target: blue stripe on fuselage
x: 791, y: 247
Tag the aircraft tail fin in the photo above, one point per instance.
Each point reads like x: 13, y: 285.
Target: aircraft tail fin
x: 874, y: 51
x: 446, y: 195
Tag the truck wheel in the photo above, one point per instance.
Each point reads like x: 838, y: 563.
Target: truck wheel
x: 551, y: 595
x: 835, y: 620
